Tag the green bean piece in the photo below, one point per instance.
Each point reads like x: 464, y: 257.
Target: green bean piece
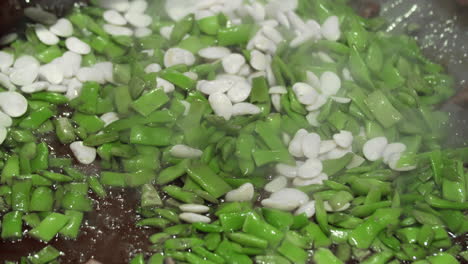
x: 42, y: 200
x: 150, y: 196
x: 20, y: 195
x: 49, y: 227
x: 325, y: 256
x: 45, y: 255
x: 208, y: 180
x: 12, y: 225
x: 72, y: 228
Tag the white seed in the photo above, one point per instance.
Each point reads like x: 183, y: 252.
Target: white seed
x: 355, y: 162
x: 8, y: 38
x: 13, y: 104
x: 295, y: 146
x: 313, y: 27
x: 286, y: 170
x: 269, y: 23
x: 230, y: 77
x: 113, y: 17
x: 221, y: 105
x: 142, y: 32
x: 138, y: 6
x: 278, y: 90
x: 313, y: 80
x: 325, y: 57
x: 26, y: 61
x: 51, y: 72
x: 214, y: 53
x: 326, y: 146
x: 78, y: 46
x: 106, y: 69
x: 272, y: 34
x: 24, y: 76
x: 35, y: 87
x: 310, y: 169
x: 331, y: 28
x: 276, y: 102
x: 311, y: 145
x: 45, y: 36
x: 3, y: 134
x: 71, y: 63
x: 373, y: 148
x: 336, y: 153
x: 191, y: 75
x: 258, y: 60
x: 256, y: 11
x: 343, y: 139
x: 319, y: 102
x: 286, y: 199
x: 393, y: 163
x: 153, y: 67
x: 330, y: 83
x: 138, y: 19
x: 193, y: 217
x: 194, y: 208
x: 296, y: 21
x: 89, y: 74
x: 347, y: 75
x: 312, y: 118
x: 328, y: 207
x: 391, y: 149
x: 117, y: 30
x: 245, y: 70
x: 215, y: 86
x: 341, y: 100
x: 57, y: 88
x: 37, y: 14
x: 269, y: 72
x: 165, y: 85
x: 5, y: 82
x: 185, y: 152
x: 283, y: 19
x: 308, y: 209
x: 6, y: 60
x: 305, y: 93
x: 109, y: 118
x: 233, y: 63
x: 241, y: 109
x: 203, y: 4
x: 5, y: 120
x: 84, y: 154
x: 301, y: 39
x: 176, y: 56
x: 166, y: 31
x: 286, y: 138
x: 264, y: 44
x: 297, y: 182
x: 276, y: 184
x: 74, y: 89
x: 148, y: 52
x: 62, y: 28
x: 187, y: 107
x: 242, y: 194
x: 239, y: 92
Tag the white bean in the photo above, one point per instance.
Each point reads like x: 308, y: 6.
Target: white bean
x: 51, y: 72
x: 89, y: 74
x: 185, y: 152
x: 8, y: 38
x: 256, y: 11
x: 286, y: 199
x: 26, y: 61
x: 194, y: 208
x: 106, y: 69
x: 373, y: 148
x: 194, y: 218
x: 355, y: 162
x: 45, y: 36
x: 278, y: 90
x: 347, y: 75
x: 3, y: 134
x: 311, y: 145
x: 5, y: 82
x: 326, y: 146
x: 233, y: 63
x: 109, y: 118
x: 6, y: 60
x: 166, y: 31
x: 393, y: 163
x: 113, y: 17
x: 313, y: 80
x: 153, y: 67
x: 305, y: 93
x: 301, y: 39
x: 239, y: 92
x: 138, y: 19
x: 310, y: 169
x: 272, y: 34
x: 295, y: 146
x: 214, y: 53
x: 391, y: 149
x: 62, y: 28
x: 166, y: 85
x: 276, y: 102
x: 319, y: 102
x: 117, y: 30
x: 245, y: 70
x: 35, y: 87
x: 74, y: 89
x: 297, y: 182
x: 24, y: 76
x: 325, y: 57
x: 84, y: 154
x: 241, y: 109
x: 330, y: 83
x: 286, y: 170
x: 191, y: 75
x: 37, y: 14
x: 276, y: 184
x: 215, y: 86
x: 264, y: 44
x: 258, y: 60
x: 138, y: 6
x: 5, y: 120
x: 336, y: 153
x: 187, y: 106
x: 331, y: 29
x: 343, y: 139
x: 341, y: 100
x: 13, y: 104
x: 242, y: 194
x: 296, y: 21
x: 78, y: 46
x: 71, y: 62
x: 142, y: 32
x: 176, y: 56
x: 328, y: 207
x: 308, y: 209
x: 221, y: 105
x: 312, y: 118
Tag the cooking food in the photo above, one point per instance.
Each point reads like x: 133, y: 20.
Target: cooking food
x: 225, y: 132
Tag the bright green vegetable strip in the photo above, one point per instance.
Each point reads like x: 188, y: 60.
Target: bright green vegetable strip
x: 208, y: 180
x: 72, y: 228
x: 45, y: 255
x: 42, y: 200
x: 256, y: 226
x: 49, y: 227
x: 383, y: 110
x: 12, y: 225
x: 152, y: 136
x: 20, y: 195
x: 150, y: 101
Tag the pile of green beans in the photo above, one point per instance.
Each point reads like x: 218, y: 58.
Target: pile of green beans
x: 394, y: 217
